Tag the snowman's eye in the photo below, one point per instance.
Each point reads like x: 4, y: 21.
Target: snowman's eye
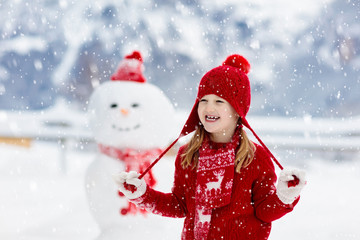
x: 114, y: 105
x: 135, y: 105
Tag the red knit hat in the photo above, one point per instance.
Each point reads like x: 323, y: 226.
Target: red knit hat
x: 130, y: 69
x: 230, y: 82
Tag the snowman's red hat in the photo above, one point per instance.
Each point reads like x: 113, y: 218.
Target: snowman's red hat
x: 130, y: 69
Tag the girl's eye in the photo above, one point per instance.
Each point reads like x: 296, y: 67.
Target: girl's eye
x: 135, y: 105
x: 219, y: 101
x: 203, y: 100
x: 113, y: 105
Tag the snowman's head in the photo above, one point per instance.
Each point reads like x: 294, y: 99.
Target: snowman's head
x: 128, y: 114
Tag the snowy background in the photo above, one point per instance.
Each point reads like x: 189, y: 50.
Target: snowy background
x: 305, y: 83
x: 304, y: 55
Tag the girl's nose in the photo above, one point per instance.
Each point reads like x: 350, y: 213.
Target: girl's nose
x: 209, y: 108
x: 124, y: 111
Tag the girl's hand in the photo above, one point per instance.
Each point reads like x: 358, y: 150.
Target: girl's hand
x: 291, y: 182
x: 130, y: 185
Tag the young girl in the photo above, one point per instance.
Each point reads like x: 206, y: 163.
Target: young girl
x: 224, y: 184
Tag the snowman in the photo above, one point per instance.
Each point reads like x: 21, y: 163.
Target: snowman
x: 131, y: 121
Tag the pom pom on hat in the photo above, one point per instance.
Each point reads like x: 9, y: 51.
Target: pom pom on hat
x: 135, y: 55
x: 130, y: 69
x: 238, y: 61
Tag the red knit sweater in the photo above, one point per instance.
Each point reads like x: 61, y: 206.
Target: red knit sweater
x: 254, y: 204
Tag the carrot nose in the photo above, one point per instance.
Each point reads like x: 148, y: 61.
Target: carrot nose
x: 124, y: 111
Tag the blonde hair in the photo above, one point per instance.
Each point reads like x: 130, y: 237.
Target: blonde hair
x: 243, y: 156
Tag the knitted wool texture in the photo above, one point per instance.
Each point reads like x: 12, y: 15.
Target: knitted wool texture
x: 214, y: 181
x: 254, y: 203
x: 228, y: 81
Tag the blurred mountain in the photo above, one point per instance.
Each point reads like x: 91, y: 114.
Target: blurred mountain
x: 305, y: 55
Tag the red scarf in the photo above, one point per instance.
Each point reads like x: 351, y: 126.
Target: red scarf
x: 135, y: 160
x: 215, y: 174
x: 132, y: 157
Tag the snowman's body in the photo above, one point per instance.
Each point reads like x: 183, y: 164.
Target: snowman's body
x: 131, y: 122
x: 104, y: 202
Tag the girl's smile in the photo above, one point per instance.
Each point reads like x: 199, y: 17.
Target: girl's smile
x: 211, y: 118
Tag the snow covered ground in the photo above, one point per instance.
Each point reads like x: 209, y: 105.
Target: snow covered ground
x: 39, y: 201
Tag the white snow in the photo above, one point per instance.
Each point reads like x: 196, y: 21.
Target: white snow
x: 39, y: 201
x: 23, y: 45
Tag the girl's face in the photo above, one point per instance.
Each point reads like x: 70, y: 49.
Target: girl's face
x: 218, y: 117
